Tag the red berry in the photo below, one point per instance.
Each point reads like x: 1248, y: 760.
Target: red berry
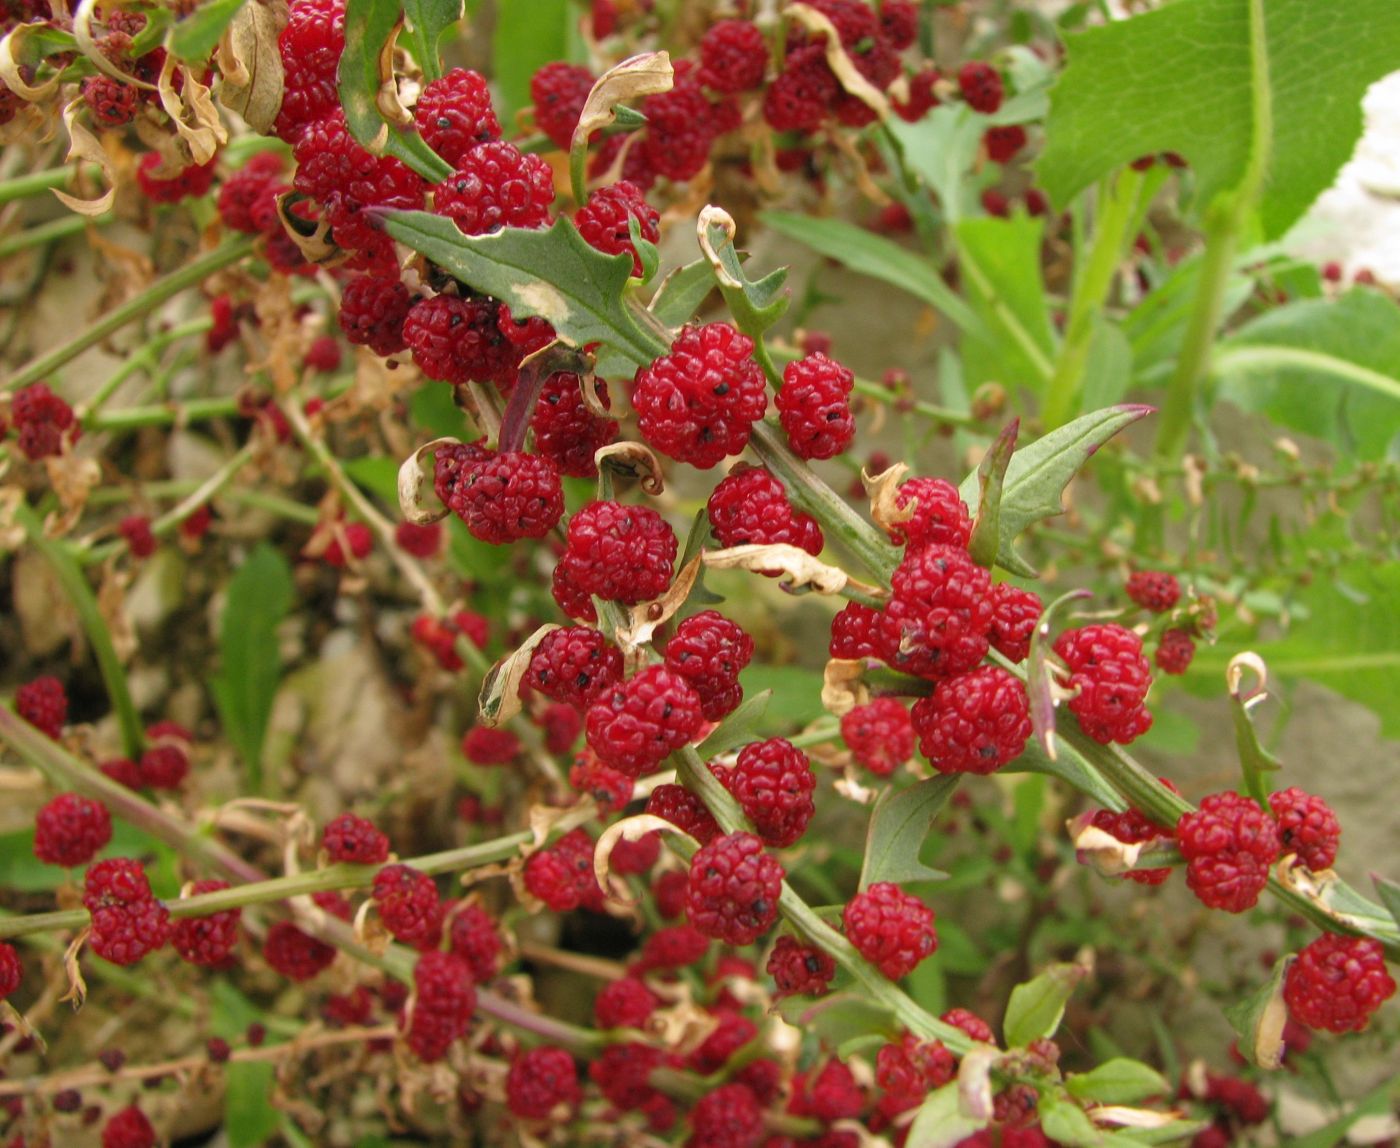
x: 310, y: 46
x: 1306, y: 826
x: 459, y: 340
x: 70, y: 830
x: 562, y: 875
x: 566, y: 432
x: 323, y: 355
x: 635, y: 857
x: 127, y: 921
x: 751, y: 506
x: 856, y: 633
x: 472, y: 936
x: 912, y: 1068
x: 814, y: 406
x: 899, y: 21
x: 10, y: 969
x: 123, y: 771
x: 507, y: 497
x: 246, y: 194
x: 1004, y: 142
x: 879, y: 734
x: 189, y: 182
x: 799, y: 969
x: 372, y: 313
x: 561, y: 724
x: 624, y: 1003
x: 495, y: 186
x: 408, y: 904
x: 43, y: 703
x: 922, y: 96
x: 207, y: 940
x: 605, y: 221
x: 575, y: 664
x: 1015, y: 614
x: 676, y: 804
x: 981, y: 86
x: 974, y: 722
x: 128, y: 1128
x: 621, y: 1073
x: 44, y: 422
x: 348, y: 540
x: 540, y: 1081
x: 1112, y: 676
x: 620, y: 553
x: 1174, y: 652
x: 733, y: 56
x: 1337, y: 983
x: 970, y: 1023
x: 716, y: 1050
x: 354, y: 841
x: 112, y: 103
x: 1243, y: 1101
x: 638, y: 723
x: 420, y: 541
x: 891, y: 928
x: 734, y: 889
x: 829, y: 1094
x: 669, y: 890
x: 454, y: 114
x: 728, y: 1117
x: 773, y: 782
x: 940, y: 515
x: 1131, y: 828
x: 680, y: 129
x: 443, y: 1002
x: 135, y: 530
x: 936, y: 623
x: 558, y: 91
x: 1154, y: 590
x: 482, y: 745
x: 1229, y: 845
x: 698, y: 402
x: 675, y: 947
x: 166, y: 761
x: 802, y: 94
x: 295, y: 954
x: 709, y: 651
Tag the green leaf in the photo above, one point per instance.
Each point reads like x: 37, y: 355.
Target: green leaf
x: 1066, y: 1123
x: 739, y: 728
x: 1376, y: 1103
x: 376, y: 473
x: 1330, y: 369
x: 1038, y: 473
x: 1001, y: 270
x: 259, y: 596
x: 527, y: 36
x: 797, y: 695
x: 426, y: 23
x: 1260, y: 1017
x: 1388, y: 891
x: 194, y: 36
x: 1108, y: 370
x: 869, y: 254
x: 899, y: 824
x: 368, y: 26
x: 1068, y: 765
x: 991, y: 478
x: 554, y: 274
x: 941, y: 148
x: 756, y: 304
x: 1118, y: 1081
x: 837, y: 1017
x: 249, y: 1117
x: 1157, y: 82
x: 940, y: 1123
x: 682, y: 292
x: 1036, y: 1007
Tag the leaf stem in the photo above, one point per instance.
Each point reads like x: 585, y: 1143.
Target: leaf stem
x: 34, y: 182
x: 143, y: 359
x: 50, y: 232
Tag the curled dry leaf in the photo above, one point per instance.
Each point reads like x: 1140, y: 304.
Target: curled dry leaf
x: 849, y: 786
x: 1234, y: 678
x: 712, y: 216
x: 841, y: 63
x: 500, y: 691
x: 544, y: 820
x: 633, y: 829
x: 1094, y: 846
x: 842, y: 687
x: 20, y: 1022
x: 313, y: 239
x: 633, y: 460
x: 684, y: 1026
x: 82, y: 33
x: 72, y: 478
x: 251, y: 63
x: 77, y: 986
x: 11, y: 53
x: 83, y: 145
x: 386, y: 99
x: 1122, y: 1117
x: 883, y: 490
x: 644, y: 619
x: 975, y: 1082
x: 800, y: 567
x: 411, y: 479
x: 192, y: 111
x: 644, y: 75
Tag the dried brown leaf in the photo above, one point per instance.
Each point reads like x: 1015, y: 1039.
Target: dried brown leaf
x: 1094, y: 846
x: 644, y: 619
x: 251, y: 63
x: 11, y: 50
x: 192, y: 111
x: 712, y: 216
x: 800, y: 567
x: 644, y: 75
x: 412, y: 475
x: 635, y: 461
x: 83, y: 145
x: 500, y: 691
x: 841, y: 63
x: 842, y: 688
x: 72, y: 478
x: 111, y: 603
x: 883, y: 489
x: 82, y: 32
x: 77, y: 986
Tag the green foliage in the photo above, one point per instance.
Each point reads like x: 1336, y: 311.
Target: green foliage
x: 194, y: 36
x: 526, y: 37
x: 899, y: 824
x: 426, y: 22
x: 941, y: 149
x: 1036, y: 1007
x: 940, y: 1122
x: 1159, y: 81
x: 739, y: 728
x: 1118, y: 1081
x: 796, y: 700
x: 756, y: 304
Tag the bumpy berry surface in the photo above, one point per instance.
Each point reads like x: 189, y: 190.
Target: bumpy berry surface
x: 112, y: 103
x: 457, y: 340
x: 348, y: 541
x: 562, y: 875
x: 1132, y: 828
x: 43, y: 703
x: 454, y: 114
x: 698, y: 402
x: 728, y: 1117
x: 734, y: 889
x: 604, y: 220
x: 624, y: 1003
x: 879, y: 734
x: 749, y: 505
x: 1154, y: 590
x: 899, y: 22
x: 509, y: 496
x: 558, y: 91
x: 208, y: 940
x: 70, y: 830
x: 372, y: 313
x: 128, y: 1128
x: 127, y: 921
x: 566, y: 431
x: 355, y: 841
x: 940, y: 515
x: 44, y: 421
x: 1306, y: 826
x: 856, y: 633
x: 295, y: 954
x: 1004, y: 142
x: 450, y: 465
x: 676, y: 804
x: 773, y: 782
x: 444, y: 1000
x: 189, y: 182
x: 981, y: 86
x: 733, y: 56
x: 799, y: 969
x: 1174, y: 652
x: 674, y: 947
x: 408, y: 904
x: 1015, y: 613
x: 620, y: 553
x: 679, y: 130
x: 911, y: 1068
x: 472, y: 935
x: 710, y: 651
x: 974, y: 722
x: 635, y: 857
x: 638, y: 723
x: 10, y: 969
x: 421, y: 541
x: 574, y: 664
x: 936, y: 624
x: 829, y: 1093
x: 970, y: 1023
x: 1337, y: 983
x: 814, y: 406
x: 1229, y: 845
x: 799, y: 99
x: 496, y: 185
x: 310, y: 46
x: 541, y: 1080
x: 891, y: 928
x: 1108, y: 669
x: 243, y: 194
x: 922, y: 95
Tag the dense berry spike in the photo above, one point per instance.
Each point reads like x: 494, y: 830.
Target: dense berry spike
x: 1306, y: 826
x: 408, y: 904
x: 1111, y: 677
x: 1229, y: 845
x: 295, y: 954
x: 773, y: 782
x: 559, y: 91
x: 974, y: 722
x: 936, y: 623
x: 709, y: 651
x: 814, y: 406
x: 208, y: 940
x: 1337, y: 983
x: 495, y: 186
x: 676, y: 804
x: 566, y: 432
x: 454, y: 114
x: 43, y: 703
x: 605, y: 221
x: 620, y: 553
x: 879, y: 734
x: 1154, y: 590
x: 734, y: 889
x: 891, y: 928
x: 799, y: 969
x: 127, y: 921
x: 444, y: 1000
x: 637, y: 724
x: 70, y: 830
x: 574, y: 664
x: 355, y: 841
x: 750, y: 506
x: 940, y: 517
x: 1015, y: 613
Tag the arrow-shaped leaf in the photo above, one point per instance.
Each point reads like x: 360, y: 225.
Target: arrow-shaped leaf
x: 899, y: 824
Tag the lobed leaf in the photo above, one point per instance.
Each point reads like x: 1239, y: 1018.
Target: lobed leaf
x: 899, y: 825
x: 426, y: 22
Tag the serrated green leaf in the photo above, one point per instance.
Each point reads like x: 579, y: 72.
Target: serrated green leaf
x: 1038, y: 473
x: 1108, y: 370
x: 1118, y: 1081
x: 259, y: 596
x: 554, y: 274
x: 899, y: 825
x: 682, y: 292
x: 756, y: 304
x: 1325, y: 368
x: 1260, y: 1017
x: 1001, y: 272
x: 869, y: 254
x: 739, y: 728
x: 194, y: 36
x: 368, y: 26
x: 249, y: 1117
x: 991, y: 478
x: 525, y: 38
x: 1036, y: 1007
x: 1158, y: 81
x: 427, y: 22
x: 940, y: 1123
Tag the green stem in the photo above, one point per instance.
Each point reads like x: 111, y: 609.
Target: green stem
x: 50, y: 232
x: 34, y: 182
x: 883, y: 394
x: 74, y: 582
x: 143, y: 359
x: 196, y: 271
x: 164, y: 414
